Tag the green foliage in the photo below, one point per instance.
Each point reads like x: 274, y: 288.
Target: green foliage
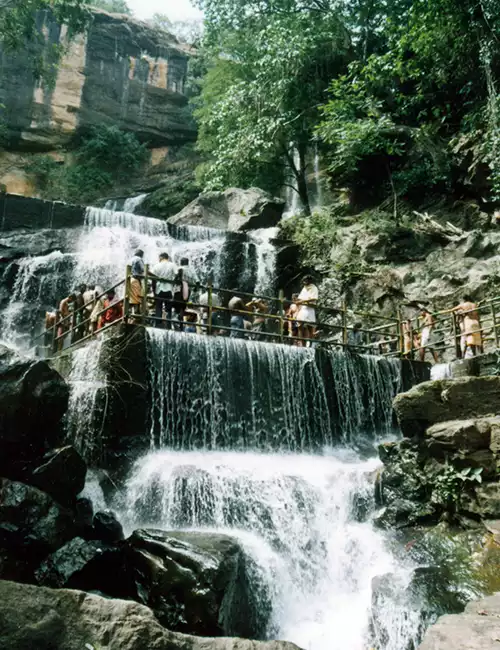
x: 315, y: 235
x: 106, y: 157
x: 19, y: 29
x: 449, y: 483
x: 113, y: 6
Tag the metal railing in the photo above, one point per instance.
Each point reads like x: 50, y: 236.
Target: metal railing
x: 382, y: 335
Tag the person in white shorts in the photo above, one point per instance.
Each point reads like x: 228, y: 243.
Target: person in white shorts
x: 306, y: 315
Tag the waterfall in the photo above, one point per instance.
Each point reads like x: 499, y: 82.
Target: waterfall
x: 292, y: 199
x: 266, y: 259
x: 301, y: 517
x: 125, y: 205
x: 87, y: 401
x: 230, y: 393
x: 317, y: 179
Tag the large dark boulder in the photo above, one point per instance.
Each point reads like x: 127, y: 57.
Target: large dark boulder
x: 32, y: 525
x: 233, y: 209
x: 60, y: 619
x: 449, y: 399
x: 83, y: 564
x: 198, y: 583
x: 107, y: 527
x: 61, y: 474
x: 33, y: 399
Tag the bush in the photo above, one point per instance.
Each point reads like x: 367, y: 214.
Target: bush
x: 105, y: 157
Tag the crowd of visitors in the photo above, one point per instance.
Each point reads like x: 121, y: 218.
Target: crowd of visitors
x: 170, y: 296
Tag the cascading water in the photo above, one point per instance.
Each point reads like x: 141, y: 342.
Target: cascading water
x: 301, y: 518
x: 228, y: 393
x: 126, y: 205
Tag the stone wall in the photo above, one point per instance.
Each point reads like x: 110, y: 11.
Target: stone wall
x: 121, y: 71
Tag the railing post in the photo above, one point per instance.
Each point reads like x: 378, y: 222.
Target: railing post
x: 144, y: 306
x: 54, y: 334
x: 210, y: 308
x: 126, y: 298
x: 282, y: 314
x: 494, y: 317
x: 344, y: 323
x: 456, y: 335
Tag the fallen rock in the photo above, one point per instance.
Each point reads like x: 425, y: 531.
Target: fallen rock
x: 62, y: 474
x: 79, y: 564
x: 32, y: 525
x: 33, y: 399
x: 446, y: 400
x: 483, y: 502
x: 460, y: 435
x: 107, y: 527
x: 234, y: 209
x: 198, y: 582
x: 478, y: 628
x: 61, y: 619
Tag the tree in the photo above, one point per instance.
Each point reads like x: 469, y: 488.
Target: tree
x: 268, y: 70
x: 113, y: 6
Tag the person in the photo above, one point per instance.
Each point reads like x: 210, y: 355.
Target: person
x: 237, y: 322
x: 113, y: 309
x: 89, y: 299
x: 191, y: 320
x: 50, y: 324
x: 186, y: 280
x: 408, y: 340
x: 306, y: 315
x: 204, y: 309
x: 137, y: 271
x: 165, y: 274
x: 66, y: 307
x: 291, y: 326
x: 355, y: 338
x: 78, y: 321
x: 97, y: 309
x: 259, y: 323
x: 471, y: 325
x: 427, y: 337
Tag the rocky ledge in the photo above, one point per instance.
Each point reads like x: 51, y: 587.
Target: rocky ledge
x: 447, y: 465
x: 48, y: 619
x: 478, y: 628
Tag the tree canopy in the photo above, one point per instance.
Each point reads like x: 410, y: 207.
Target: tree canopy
x: 400, y: 96
x: 113, y: 6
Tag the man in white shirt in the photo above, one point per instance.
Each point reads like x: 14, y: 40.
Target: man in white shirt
x: 306, y: 315
x: 164, y: 276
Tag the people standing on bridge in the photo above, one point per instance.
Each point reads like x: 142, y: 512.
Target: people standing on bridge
x: 237, y: 323
x: 66, y: 308
x: 136, y: 291
x: 89, y: 299
x: 427, y: 340
x: 306, y: 316
x: 164, y: 276
x: 408, y: 339
x: 259, y: 323
x: 79, y: 315
x: 355, y: 337
x: 185, y: 282
x: 113, y: 309
x: 471, y: 325
x: 291, y: 326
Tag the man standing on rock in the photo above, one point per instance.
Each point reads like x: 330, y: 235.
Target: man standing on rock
x: 164, y: 275
x: 427, y: 339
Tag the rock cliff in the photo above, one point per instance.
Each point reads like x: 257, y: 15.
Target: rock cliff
x: 121, y: 71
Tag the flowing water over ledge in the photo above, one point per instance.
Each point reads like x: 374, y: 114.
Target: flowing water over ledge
x: 303, y: 520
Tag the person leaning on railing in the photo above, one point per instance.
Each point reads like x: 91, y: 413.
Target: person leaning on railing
x: 137, y: 270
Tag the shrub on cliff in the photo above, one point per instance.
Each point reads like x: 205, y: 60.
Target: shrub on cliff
x: 105, y: 157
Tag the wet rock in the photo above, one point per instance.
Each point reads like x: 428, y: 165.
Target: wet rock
x: 233, y: 209
x: 32, y: 524
x: 62, y: 474
x: 198, y: 583
x: 444, y: 400
x: 48, y: 619
x: 79, y: 564
x: 402, y: 513
x: 107, y: 527
x: 476, y: 629
x: 33, y: 399
x: 84, y: 513
x: 483, y: 501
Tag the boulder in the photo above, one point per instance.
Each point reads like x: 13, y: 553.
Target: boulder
x: 48, y: 619
x: 483, y: 502
x: 478, y: 628
x: 460, y: 435
x: 448, y: 399
x: 32, y: 524
x: 33, y: 399
x: 107, y: 527
x: 234, y: 210
x: 198, y: 583
x: 61, y: 474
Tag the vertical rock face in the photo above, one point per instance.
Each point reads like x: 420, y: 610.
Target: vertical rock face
x: 120, y: 71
